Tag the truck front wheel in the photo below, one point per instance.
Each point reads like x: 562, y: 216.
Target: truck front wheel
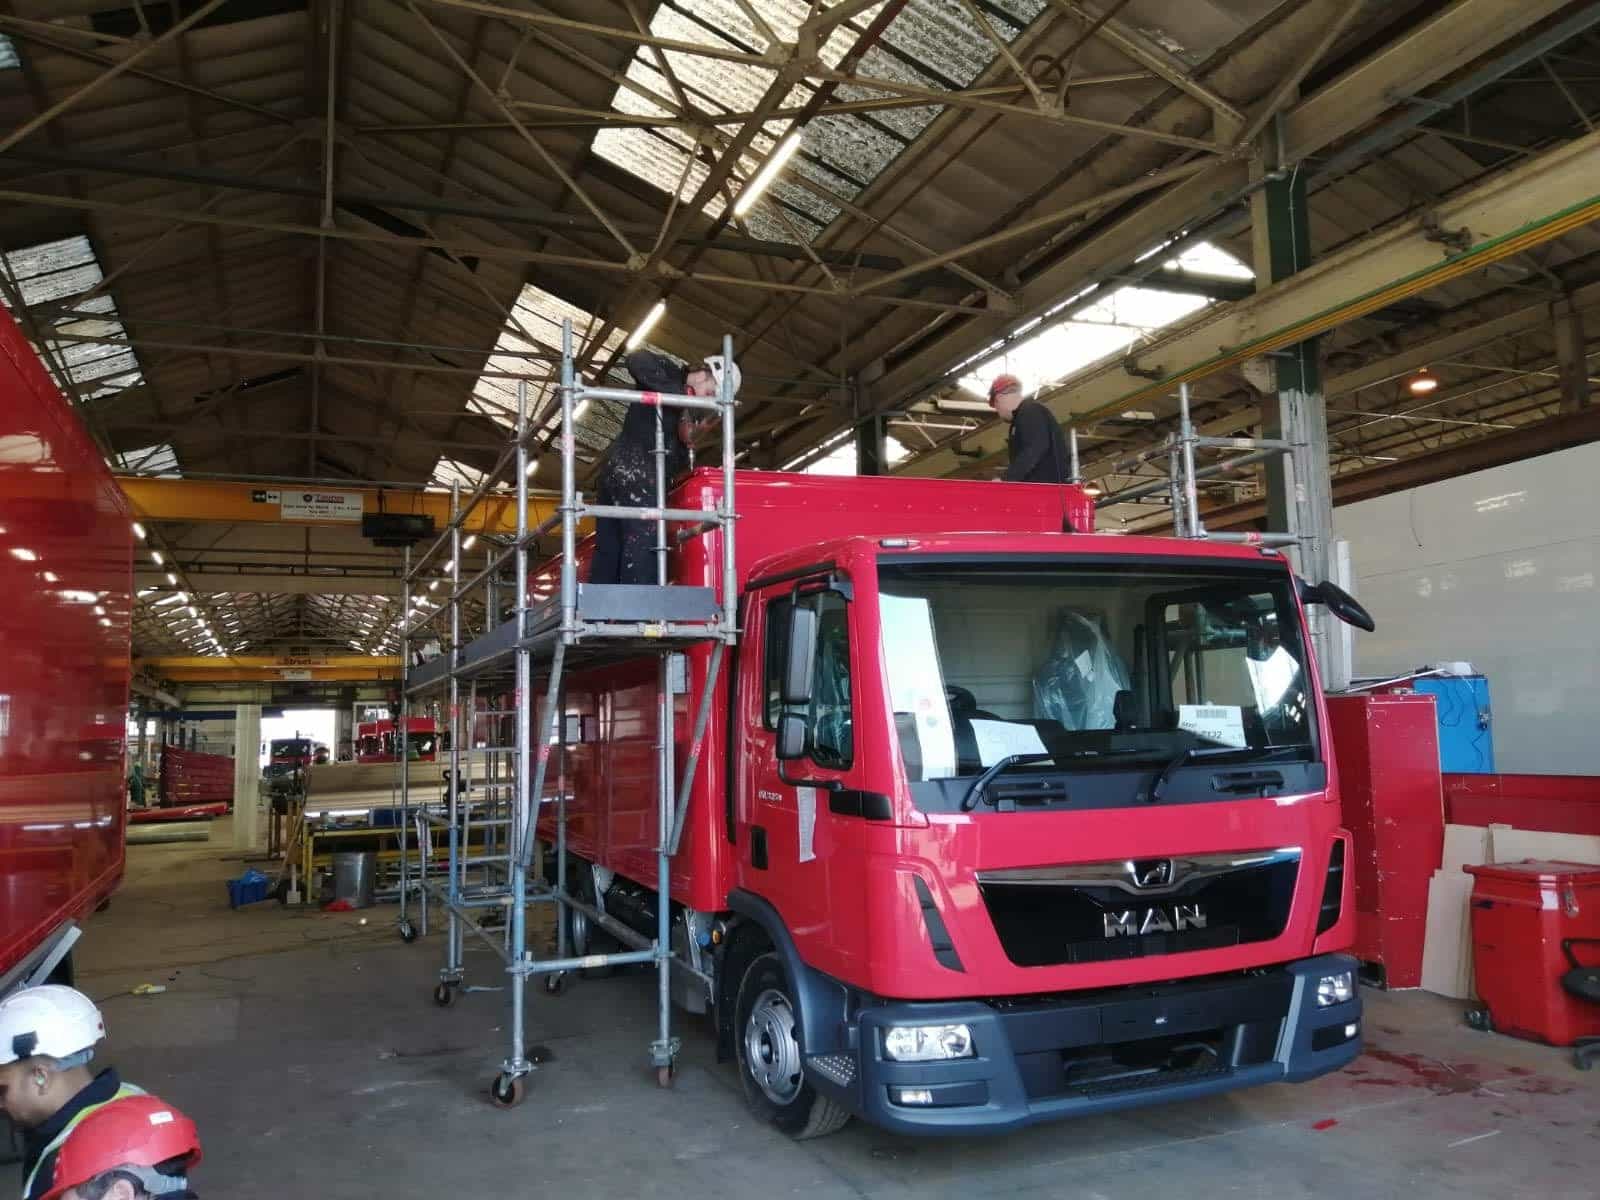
x: 770, y: 1056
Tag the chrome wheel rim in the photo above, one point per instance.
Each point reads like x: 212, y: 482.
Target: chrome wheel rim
x: 771, y: 1049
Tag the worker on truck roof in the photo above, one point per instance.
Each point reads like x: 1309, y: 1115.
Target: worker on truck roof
x: 1037, y: 449
x: 137, y: 1148
x: 47, y: 1039
x: 624, y: 549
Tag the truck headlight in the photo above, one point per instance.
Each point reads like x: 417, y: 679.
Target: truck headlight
x: 927, y: 1043
x: 1335, y: 989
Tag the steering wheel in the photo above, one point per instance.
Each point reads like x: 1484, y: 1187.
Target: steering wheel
x: 961, y: 701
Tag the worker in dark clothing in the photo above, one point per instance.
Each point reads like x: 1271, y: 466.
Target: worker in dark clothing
x: 47, y: 1039
x: 1038, y: 451
x: 624, y: 549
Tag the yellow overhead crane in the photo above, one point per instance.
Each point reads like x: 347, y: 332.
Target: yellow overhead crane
x: 287, y: 504
x: 269, y: 668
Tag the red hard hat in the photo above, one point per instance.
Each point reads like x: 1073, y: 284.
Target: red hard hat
x: 135, y: 1132
x: 1004, y: 383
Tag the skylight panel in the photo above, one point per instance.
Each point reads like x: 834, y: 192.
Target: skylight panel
x: 159, y: 460
x: 1120, y: 319
x: 448, y: 471
x: 60, y: 273
x: 8, y: 54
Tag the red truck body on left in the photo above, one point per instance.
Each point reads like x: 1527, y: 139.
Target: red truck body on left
x: 66, y: 572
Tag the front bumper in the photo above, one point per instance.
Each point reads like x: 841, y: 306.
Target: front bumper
x: 1040, y: 1060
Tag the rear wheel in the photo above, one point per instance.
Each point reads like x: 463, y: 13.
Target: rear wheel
x: 583, y: 935
x: 767, y: 1038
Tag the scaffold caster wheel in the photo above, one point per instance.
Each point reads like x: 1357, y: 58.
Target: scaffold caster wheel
x: 445, y: 994
x: 555, y: 983
x: 666, y: 1074
x: 507, y: 1090
x: 1478, y: 1018
x: 408, y: 932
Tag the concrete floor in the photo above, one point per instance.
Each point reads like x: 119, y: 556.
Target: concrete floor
x: 308, y: 1048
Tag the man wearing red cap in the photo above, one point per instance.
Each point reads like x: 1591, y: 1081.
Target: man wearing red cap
x: 1038, y: 451
x: 136, y: 1148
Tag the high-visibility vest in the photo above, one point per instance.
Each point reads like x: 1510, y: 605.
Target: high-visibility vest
x: 122, y: 1093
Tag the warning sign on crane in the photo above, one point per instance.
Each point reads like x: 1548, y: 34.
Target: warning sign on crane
x: 295, y: 505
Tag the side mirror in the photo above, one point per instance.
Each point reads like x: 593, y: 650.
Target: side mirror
x: 800, y: 656
x: 791, y: 737
x: 1339, y: 602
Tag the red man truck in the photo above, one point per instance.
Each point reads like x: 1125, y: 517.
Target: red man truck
x: 379, y: 741
x: 66, y: 570
x: 993, y: 824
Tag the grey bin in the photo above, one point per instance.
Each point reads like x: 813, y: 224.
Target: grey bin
x: 353, y: 875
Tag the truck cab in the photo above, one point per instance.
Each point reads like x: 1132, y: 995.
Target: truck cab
x: 1048, y: 823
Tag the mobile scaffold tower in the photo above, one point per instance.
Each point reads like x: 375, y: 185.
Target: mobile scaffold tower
x: 500, y: 788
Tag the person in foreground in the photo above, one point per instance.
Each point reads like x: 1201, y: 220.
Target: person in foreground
x: 47, y: 1040
x: 136, y: 1148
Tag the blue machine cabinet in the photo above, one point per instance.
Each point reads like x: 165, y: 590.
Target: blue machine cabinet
x: 1466, y: 726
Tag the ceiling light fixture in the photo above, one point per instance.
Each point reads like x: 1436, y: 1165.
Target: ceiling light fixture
x: 769, y: 171
x: 138, y: 529
x: 1423, y: 382
x: 646, y: 325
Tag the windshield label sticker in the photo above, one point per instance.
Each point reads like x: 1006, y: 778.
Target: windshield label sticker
x: 1085, y: 664
x: 1000, y: 739
x: 807, y: 798
x: 1220, y: 723
x: 916, y: 682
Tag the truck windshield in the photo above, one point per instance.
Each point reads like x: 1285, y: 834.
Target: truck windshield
x: 291, y: 748
x: 1091, y: 666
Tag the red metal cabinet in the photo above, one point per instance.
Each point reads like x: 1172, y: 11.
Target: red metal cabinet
x: 1387, y: 750
x: 1521, y: 912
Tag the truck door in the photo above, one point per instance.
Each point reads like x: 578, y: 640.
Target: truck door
x: 791, y: 845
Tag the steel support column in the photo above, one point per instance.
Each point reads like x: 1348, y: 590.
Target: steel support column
x: 1299, y: 495
x: 1571, y: 361
x: 870, y: 439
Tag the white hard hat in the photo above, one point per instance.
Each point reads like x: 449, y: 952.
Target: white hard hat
x: 717, y: 365
x: 58, y: 1021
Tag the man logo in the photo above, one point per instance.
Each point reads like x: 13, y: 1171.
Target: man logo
x: 1150, y: 872
x: 1174, y: 918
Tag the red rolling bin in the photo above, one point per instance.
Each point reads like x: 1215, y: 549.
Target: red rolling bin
x: 1521, y: 913
x: 1387, y: 751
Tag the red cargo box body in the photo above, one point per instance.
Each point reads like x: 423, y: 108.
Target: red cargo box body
x: 1521, y: 913
x: 1388, y: 752
x: 190, y: 777
x: 66, y: 572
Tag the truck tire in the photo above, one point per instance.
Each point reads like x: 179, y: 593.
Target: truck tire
x: 583, y: 936
x: 767, y: 1042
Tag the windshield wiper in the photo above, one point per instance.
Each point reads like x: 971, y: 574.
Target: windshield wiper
x: 1158, y: 786
x: 976, y: 791
x: 970, y: 800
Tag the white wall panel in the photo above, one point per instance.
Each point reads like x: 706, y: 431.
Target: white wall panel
x: 1497, y: 567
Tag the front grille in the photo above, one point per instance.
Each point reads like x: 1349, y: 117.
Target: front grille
x: 1048, y: 924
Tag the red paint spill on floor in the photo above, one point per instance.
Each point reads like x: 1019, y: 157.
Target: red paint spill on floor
x: 1329, y: 1123
x: 1443, y: 1079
